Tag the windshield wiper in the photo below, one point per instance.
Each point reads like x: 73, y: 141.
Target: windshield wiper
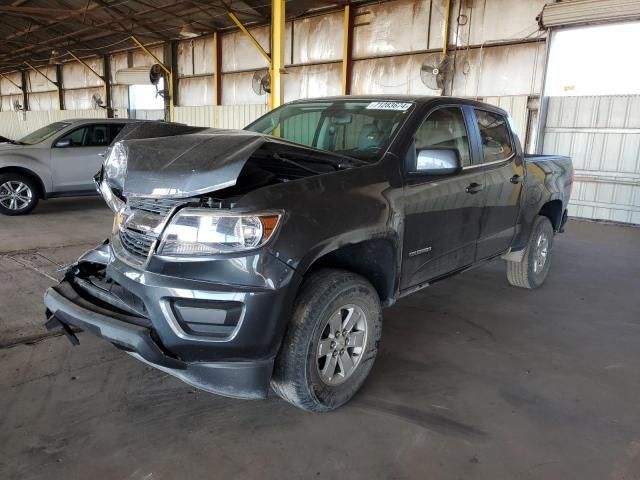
x: 16, y: 142
x: 297, y: 164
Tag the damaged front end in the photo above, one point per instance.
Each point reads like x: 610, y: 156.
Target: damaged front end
x: 185, y: 282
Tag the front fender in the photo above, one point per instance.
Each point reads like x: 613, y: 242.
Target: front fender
x: 29, y: 164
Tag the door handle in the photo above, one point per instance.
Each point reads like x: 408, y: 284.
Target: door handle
x: 515, y: 179
x: 473, y: 188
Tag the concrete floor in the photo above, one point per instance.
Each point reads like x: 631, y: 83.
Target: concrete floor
x: 475, y: 380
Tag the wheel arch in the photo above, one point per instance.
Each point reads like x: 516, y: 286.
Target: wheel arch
x: 553, y: 211
x: 42, y: 191
x: 374, y: 259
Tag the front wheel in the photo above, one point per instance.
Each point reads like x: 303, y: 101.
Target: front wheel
x: 18, y: 194
x: 532, y: 270
x: 331, y: 342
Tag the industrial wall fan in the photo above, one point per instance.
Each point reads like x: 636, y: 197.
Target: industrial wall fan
x: 97, y: 101
x: 261, y: 82
x: 435, y: 71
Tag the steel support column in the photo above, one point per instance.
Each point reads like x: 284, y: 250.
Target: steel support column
x: 106, y: 71
x: 277, y: 53
x: 217, y: 62
x: 347, y: 50
x: 25, y: 93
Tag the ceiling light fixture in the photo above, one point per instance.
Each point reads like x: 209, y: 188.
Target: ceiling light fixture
x: 187, y: 31
x: 53, y: 59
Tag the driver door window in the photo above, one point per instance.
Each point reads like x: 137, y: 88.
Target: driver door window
x: 76, y: 137
x: 445, y: 128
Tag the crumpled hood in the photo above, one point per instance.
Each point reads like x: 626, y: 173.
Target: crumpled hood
x: 187, y: 165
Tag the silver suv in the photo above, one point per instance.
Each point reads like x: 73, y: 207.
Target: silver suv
x: 57, y: 160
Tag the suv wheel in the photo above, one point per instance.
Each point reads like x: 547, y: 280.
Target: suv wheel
x: 532, y: 270
x: 331, y: 343
x: 18, y: 194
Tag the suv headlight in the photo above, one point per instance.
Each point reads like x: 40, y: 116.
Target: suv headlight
x: 115, y: 166
x: 196, y: 231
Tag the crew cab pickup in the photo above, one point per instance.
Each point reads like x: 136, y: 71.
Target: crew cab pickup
x: 243, y: 259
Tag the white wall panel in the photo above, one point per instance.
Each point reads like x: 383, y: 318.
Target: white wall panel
x: 602, y: 135
x: 37, y: 83
x: 120, y: 97
x: 238, y: 116
x: 223, y: 116
x: 498, y: 20
x: 389, y: 75
x: 76, y: 75
x: 237, y: 89
x: 196, y: 91
x: 318, y: 39
x: 196, y: 57
x: 8, y: 100
x: 8, y: 88
x: 239, y: 53
x: 44, y: 101
x: 16, y: 125
x: 203, y: 116
x: 140, y: 58
x: 119, y: 61
x: 312, y: 81
x: 81, y: 99
x: 397, y: 27
x: 500, y: 70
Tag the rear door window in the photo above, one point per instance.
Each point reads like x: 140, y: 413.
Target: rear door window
x: 494, y: 135
x: 115, y: 129
x: 97, y: 136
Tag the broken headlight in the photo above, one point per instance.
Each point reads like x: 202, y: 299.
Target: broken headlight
x: 200, y: 232
x: 115, y: 167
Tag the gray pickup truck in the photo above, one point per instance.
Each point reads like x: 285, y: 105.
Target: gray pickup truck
x: 241, y: 259
x: 59, y: 159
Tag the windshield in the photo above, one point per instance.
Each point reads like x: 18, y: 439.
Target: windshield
x: 357, y: 128
x: 43, y: 133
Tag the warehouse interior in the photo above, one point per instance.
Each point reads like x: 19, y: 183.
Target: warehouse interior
x: 474, y: 379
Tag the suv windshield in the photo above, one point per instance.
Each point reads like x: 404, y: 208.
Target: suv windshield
x: 42, y: 133
x: 357, y: 128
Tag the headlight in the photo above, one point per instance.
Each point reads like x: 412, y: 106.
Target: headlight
x: 115, y: 166
x: 200, y: 232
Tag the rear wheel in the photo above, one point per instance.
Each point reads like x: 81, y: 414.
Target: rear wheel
x: 532, y: 270
x: 331, y: 343
x: 18, y: 194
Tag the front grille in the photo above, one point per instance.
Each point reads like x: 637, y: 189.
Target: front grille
x: 136, y: 243
x: 159, y: 206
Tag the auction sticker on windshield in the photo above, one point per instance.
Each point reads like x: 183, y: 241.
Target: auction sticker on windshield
x: 388, y: 106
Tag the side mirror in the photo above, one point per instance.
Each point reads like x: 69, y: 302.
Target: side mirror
x: 65, y: 142
x: 441, y: 161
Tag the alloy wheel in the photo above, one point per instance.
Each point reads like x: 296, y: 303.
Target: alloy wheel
x: 541, y: 253
x: 342, y: 344
x: 15, y: 195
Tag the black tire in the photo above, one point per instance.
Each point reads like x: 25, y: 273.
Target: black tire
x: 8, y: 181
x: 528, y: 273
x: 297, y: 377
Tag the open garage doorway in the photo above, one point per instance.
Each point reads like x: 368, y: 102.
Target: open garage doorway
x: 593, y: 115
x: 145, y: 101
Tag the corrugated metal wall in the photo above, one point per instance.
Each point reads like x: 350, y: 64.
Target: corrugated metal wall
x: 15, y: 125
x: 602, y: 135
x: 223, y: 116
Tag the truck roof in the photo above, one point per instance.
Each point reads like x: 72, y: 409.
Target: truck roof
x: 418, y: 99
